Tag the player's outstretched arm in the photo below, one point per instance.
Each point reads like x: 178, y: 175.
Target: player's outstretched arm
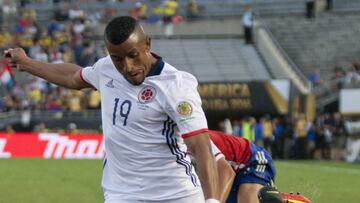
x: 66, y: 75
x: 226, y: 178
x: 199, y: 145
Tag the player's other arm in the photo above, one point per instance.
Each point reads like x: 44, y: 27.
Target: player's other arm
x: 66, y: 75
x: 199, y: 145
x: 225, y: 172
x: 226, y: 177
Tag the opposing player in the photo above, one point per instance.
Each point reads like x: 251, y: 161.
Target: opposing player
x: 254, y: 172
x: 253, y: 166
x: 151, y: 113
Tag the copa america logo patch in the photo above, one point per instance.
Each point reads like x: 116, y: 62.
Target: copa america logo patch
x: 184, y: 108
x: 147, y: 94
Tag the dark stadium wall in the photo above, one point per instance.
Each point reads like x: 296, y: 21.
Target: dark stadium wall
x: 239, y: 100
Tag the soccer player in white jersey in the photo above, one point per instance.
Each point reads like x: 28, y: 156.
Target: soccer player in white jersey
x: 151, y: 114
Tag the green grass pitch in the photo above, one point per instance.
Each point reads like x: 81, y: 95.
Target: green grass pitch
x: 321, y: 181
x: 74, y: 181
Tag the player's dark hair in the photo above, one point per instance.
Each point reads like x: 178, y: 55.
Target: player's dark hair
x: 119, y: 29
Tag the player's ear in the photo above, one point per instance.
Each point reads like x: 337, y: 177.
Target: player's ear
x: 148, y: 43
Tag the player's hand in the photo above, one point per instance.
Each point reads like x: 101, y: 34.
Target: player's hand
x: 16, y: 58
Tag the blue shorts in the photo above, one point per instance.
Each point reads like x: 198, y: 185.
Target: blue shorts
x: 260, y: 170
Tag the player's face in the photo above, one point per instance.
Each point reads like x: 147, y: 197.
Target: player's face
x: 132, y: 58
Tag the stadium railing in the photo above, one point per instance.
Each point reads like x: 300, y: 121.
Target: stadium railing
x: 84, y: 119
x: 9, y: 118
x: 300, y: 80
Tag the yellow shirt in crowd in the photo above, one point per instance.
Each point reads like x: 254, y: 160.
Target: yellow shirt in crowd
x: 268, y: 129
x: 75, y: 101
x: 300, y: 128
x: 170, y: 8
x: 5, y: 38
x: 143, y: 10
x: 35, y: 95
x: 94, y: 99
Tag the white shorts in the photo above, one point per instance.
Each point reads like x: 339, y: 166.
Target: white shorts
x: 195, y: 198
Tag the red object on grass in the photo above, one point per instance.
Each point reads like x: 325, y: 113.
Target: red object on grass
x: 293, y: 198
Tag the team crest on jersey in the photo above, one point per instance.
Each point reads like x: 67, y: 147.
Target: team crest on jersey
x: 147, y: 94
x: 184, y: 108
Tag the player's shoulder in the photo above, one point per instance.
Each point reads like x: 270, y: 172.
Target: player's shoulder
x: 106, y: 61
x: 103, y: 63
x: 172, y: 77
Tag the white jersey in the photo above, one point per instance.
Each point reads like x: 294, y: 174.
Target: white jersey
x: 143, y: 129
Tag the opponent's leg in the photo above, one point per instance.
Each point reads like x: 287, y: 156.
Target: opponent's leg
x: 248, y: 193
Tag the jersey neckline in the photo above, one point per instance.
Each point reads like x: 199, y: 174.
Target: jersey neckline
x: 158, y: 66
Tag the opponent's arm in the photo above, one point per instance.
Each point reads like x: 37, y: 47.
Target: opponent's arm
x: 199, y: 145
x: 66, y: 75
x: 226, y: 178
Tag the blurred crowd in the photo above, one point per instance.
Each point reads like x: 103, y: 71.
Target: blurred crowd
x: 325, y: 137
x: 347, y: 77
x: 40, y: 95
x: 327, y: 86
x: 67, y: 38
x: 165, y: 13
x: 341, y: 77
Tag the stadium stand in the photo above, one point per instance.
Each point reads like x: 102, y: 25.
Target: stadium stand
x: 325, y: 42
x: 316, y: 43
x: 265, y: 7
x: 207, y: 8
x: 279, y: 64
x: 213, y: 59
x: 346, y: 5
x: 204, y: 27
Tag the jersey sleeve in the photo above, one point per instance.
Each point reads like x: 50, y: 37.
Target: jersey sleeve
x: 216, y: 152
x: 183, y: 105
x: 91, y: 74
